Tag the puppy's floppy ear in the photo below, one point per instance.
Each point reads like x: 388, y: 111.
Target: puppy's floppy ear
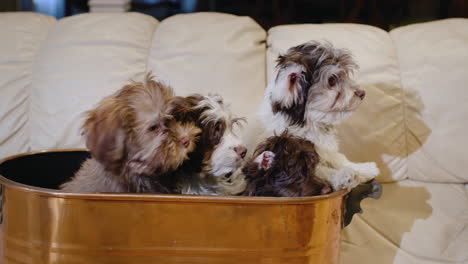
x: 105, y: 137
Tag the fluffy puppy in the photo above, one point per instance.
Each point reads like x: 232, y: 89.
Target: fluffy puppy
x: 213, y: 168
x: 312, y: 92
x: 284, y: 167
x: 133, y: 140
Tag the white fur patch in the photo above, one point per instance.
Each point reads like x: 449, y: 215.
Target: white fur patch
x: 224, y: 159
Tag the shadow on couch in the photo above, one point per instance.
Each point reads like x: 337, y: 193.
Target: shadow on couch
x: 386, y: 129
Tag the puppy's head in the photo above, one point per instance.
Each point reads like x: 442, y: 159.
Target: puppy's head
x: 219, y: 151
x: 132, y: 130
x: 292, y: 172
x: 314, y: 84
x: 224, y: 150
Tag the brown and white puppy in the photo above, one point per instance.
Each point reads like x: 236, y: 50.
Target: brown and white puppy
x: 284, y: 167
x: 133, y: 140
x: 212, y: 166
x: 312, y: 92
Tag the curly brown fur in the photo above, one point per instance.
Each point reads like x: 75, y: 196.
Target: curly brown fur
x: 291, y: 172
x: 133, y: 140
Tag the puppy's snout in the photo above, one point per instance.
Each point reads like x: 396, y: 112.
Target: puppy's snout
x: 360, y: 93
x: 241, y: 151
x: 185, y: 141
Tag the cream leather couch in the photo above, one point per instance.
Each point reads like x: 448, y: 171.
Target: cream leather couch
x: 412, y: 122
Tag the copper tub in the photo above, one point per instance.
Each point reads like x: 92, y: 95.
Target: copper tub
x: 44, y: 225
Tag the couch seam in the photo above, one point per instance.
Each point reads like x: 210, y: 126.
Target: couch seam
x: 145, y: 70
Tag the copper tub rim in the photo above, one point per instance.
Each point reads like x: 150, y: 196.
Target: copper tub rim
x: 155, y: 197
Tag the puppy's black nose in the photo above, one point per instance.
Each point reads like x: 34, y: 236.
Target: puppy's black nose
x: 360, y: 93
x: 241, y: 151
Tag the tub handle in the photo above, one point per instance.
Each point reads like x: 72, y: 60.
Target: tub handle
x: 353, y: 200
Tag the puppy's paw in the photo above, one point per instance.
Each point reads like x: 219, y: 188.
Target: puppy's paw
x: 265, y: 160
x: 368, y: 171
x: 344, y: 178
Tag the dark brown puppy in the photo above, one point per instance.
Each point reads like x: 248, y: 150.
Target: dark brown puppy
x: 284, y: 167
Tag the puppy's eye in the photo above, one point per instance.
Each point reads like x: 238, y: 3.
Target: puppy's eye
x: 332, y: 81
x: 153, y: 128
x: 217, y: 133
x: 217, y: 130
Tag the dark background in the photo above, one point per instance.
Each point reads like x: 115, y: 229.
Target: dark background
x: 385, y: 14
